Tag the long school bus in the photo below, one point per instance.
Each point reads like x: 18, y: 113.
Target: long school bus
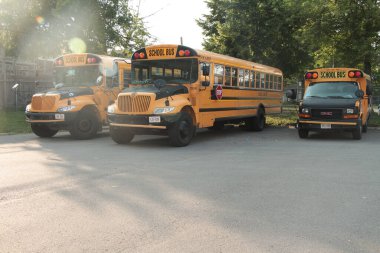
x: 176, y: 89
x: 84, y: 86
x: 335, y: 99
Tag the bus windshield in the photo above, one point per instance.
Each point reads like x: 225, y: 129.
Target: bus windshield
x: 174, y: 71
x: 332, y: 90
x: 77, y: 76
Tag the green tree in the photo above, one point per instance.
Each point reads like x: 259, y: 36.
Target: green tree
x: 47, y: 28
x: 257, y: 30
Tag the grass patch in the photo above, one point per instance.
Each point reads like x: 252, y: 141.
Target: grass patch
x: 13, y: 122
x: 284, y: 119
x: 374, y: 121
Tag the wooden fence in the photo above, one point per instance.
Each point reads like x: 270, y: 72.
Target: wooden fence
x: 31, y: 77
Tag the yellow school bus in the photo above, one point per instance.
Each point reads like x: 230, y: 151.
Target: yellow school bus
x: 84, y: 86
x: 176, y: 89
x: 335, y: 99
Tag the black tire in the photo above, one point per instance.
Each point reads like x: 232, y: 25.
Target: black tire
x: 86, y: 125
x: 357, y: 133
x: 43, y: 131
x: 256, y: 123
x: 365, y: 127
x: 182, y: 132
x: 121, y: 135
x: 303, y: 133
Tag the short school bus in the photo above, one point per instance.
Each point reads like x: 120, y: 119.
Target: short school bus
x: 176, y: 89
x: 85, y: 84
x: 335, y: 99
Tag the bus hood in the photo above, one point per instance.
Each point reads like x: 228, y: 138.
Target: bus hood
x: 70, y: 92
x: 329, y: 102
x: 161, y: 92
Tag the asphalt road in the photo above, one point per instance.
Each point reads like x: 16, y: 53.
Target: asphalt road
x: 229, y: 191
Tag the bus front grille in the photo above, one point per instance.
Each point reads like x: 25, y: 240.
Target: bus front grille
x: 327, y: 113
x: 134, y: 103
x: 42, y: 102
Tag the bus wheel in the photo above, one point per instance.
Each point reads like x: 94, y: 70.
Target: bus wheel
x: 256, y: 123
x: 357, y: 133
x: 181, y: 132
x: 303, y: 133
x: 85, y: 126
x: 43, y: 131
x: 365, y: 127
x: 121, y: 135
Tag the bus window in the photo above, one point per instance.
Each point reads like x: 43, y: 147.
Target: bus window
x: 168, y: 72
x: 266, y: 81
x: 246, y: 78
x: 241, y: 77
x: 177, y: 73
x: 262, y: 80
x: 280, y: 82
x: 252, y: 78
x: 140, y: 74
x: 258, y: 78
x: 157, y: 71
x: 271, y: 84
x: 234, y: 77
x: 126, y: 77
x: 228, y: 76
x: 218, y: 74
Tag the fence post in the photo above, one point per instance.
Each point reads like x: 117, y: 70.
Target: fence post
x: 3, y: 78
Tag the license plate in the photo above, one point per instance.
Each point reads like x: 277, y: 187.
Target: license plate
x: 154, y: 119
x: 325, y: 126
x: 60, y: 116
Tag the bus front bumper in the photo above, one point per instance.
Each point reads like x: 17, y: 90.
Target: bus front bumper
x: 161, y: 121
x: 51, y: 117
x: 322, y: 125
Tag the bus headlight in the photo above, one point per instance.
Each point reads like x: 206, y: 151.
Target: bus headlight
x: 305, y: 110
x: 111, y: 108
x: 161, y: 110
x: 66, y: 108
x: 350, y: 111
x: 28, y: 107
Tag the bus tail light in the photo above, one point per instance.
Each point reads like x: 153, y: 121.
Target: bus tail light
x: 139, y: 55
x: 355, y: 74
x: 182, y: 53
x: 311, y: 75
x: 91, y: 60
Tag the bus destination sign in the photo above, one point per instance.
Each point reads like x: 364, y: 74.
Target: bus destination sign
x: 333, y: 74
x: 162, y: 52
x: 74, y: 60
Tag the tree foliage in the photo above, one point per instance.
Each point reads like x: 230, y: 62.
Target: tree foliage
x: 295, y: 35
x: 33, y: 28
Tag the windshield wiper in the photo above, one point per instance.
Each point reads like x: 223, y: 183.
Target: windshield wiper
x: 314, y: 96
x: 335, y: 97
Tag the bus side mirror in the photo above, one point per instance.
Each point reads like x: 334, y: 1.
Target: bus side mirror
x: 99, y: 80
x: 291, y: 94
x: 359, y: 93
x: 205, y: 70
x: 205, y: 83
x: 369, y: 90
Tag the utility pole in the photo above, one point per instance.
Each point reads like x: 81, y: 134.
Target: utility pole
x: 3, y: 78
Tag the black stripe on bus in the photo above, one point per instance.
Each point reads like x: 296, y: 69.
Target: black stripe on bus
x: 227, y: 109
x: 248, y: 88
x: 247, y: 98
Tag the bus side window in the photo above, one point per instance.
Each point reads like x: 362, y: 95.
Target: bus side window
x: 262, y: 80
x: 218, y: 74
x: 258, y: 80
x: 228, y: 76
x: 246, y: 78
x: 252, y: 78
x: 267, y: 81
x: 241, y: 77
x: 234, y: 77
x: 126, y: 77
x: 271, y: 84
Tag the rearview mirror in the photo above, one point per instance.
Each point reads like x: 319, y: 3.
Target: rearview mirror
x: 205, y: 70
x: 359, y: 93
x: 99, y: 80
x: 291, y: 94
